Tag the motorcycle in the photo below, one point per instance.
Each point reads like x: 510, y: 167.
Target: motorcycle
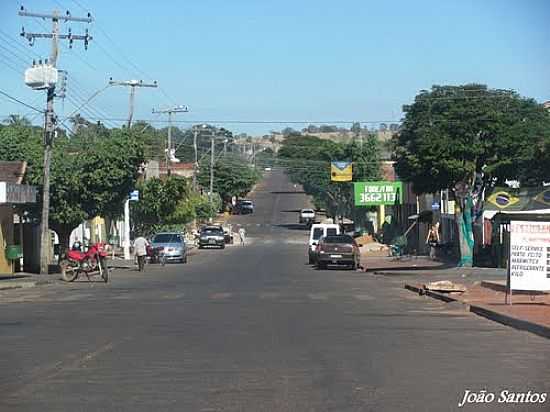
x: 156, y: 255
x: 92, y: 262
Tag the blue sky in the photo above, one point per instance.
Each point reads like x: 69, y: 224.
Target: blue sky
x: 286, y: 60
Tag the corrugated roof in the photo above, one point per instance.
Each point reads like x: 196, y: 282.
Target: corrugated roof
x: 12, y: 171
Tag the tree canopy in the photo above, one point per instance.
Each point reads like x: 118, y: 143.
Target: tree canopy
x: 233, y: 176
x: 451, y: 133
x: 91, y: 173
x: 307, y: 159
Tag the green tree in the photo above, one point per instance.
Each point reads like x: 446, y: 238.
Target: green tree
x: 308, y: 158
x: 87, y: 180
x: 232, y: 177
x: 162, y: 202
x: 472, y: 137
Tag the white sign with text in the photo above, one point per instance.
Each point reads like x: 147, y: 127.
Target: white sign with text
x: 529, y: 255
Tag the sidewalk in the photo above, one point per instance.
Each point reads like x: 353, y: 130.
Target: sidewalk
x: 484, y: 295
x: 382, y: 264
x: 25, y: 280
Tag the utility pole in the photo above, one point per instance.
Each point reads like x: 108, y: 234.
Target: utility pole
x: 211, y: 170
x: 196, y: 164
x: 50, y: 118
x: 169, y: 155
x: 132, y: 84
x: 254, y: 154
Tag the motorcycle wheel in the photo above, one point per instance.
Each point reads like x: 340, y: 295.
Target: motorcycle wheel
x: 68, y: 272
x: 104, y: 269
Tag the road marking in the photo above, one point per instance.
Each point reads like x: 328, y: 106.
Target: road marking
x: 363, y: 297
x: 269, y: 295
x: 220, y: 295
x: 317, y: 296
x: 173, y: 296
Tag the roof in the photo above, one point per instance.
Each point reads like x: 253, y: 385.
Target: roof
x: 12, y: 171
x: 178, y: 166
x: 387, y: 171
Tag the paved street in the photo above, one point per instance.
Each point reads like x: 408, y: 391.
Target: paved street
x: 255, y: 328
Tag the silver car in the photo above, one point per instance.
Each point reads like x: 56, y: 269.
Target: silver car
x: 173, y: 246
x: 212, y: 236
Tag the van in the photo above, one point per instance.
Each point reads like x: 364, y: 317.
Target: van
x: 318, y: 230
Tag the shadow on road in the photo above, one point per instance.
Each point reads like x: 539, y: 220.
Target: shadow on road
x: 292, y: 226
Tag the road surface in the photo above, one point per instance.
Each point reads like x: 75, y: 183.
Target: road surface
x: 255, y: 328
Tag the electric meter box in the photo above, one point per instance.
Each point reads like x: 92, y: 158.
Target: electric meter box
x: 41, y: 77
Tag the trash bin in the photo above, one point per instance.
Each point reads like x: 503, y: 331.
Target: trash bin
x: 14, y: 252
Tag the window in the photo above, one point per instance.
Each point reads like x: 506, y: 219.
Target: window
x: 317, y: 233
x: 331, y: 231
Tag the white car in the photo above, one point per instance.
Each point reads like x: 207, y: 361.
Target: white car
x: 307, y: 216
x: 319, y: 230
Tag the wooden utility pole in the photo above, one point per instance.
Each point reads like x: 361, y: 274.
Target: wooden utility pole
x: 211, y: 170
x: 169, y: 154
x: 196, y: 163
x: 132, y: 84
x: 50, y: 118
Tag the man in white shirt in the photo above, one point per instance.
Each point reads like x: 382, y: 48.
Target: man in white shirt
x: 242, y: 235
x: 140, y: 250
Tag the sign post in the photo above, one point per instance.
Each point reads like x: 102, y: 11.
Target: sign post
x: 529, y: 259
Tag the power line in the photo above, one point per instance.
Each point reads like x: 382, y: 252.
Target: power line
x: 21, y: 102
x: 12, y: 41
x: 283, y: 122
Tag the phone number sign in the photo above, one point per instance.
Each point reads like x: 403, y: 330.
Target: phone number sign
x: 529, y: 255
x: 378, y: 193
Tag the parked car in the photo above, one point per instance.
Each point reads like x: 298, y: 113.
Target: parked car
x: 172, y: 245
x: 317, y: 231
x: 307, y: 216
x: 243, y: 207
x: 212, y: 236
x: 338, y: 250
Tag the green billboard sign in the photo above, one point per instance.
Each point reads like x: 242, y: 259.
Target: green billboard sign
x: 378, y: 193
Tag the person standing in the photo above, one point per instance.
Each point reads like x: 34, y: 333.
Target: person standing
x: 242, y: 235
x: 140, y: 250
x: 432, y: 240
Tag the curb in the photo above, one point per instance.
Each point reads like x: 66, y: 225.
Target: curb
x: 507, y: 320
x: 19, y: 285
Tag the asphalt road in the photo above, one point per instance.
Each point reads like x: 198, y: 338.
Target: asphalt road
x: 254, y: 328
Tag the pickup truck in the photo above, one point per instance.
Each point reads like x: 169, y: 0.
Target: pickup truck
x: 307, y: 216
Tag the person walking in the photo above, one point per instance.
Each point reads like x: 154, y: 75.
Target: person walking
x: 432, y: 240
x: 140, y: 250
x: 242, y: 235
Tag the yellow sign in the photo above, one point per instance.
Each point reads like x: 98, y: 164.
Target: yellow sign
x: 341, y: 171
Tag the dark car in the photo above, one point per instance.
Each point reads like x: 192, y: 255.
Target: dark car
x: 338, y: 250
x: 243, y: 207
x: 212, y: 236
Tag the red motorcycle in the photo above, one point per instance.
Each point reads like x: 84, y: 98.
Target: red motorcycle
x: 92, y: 262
